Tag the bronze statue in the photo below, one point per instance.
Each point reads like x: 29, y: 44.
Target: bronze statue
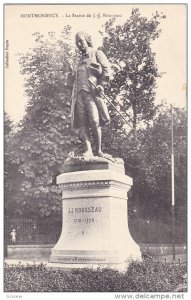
x: 88, y: 108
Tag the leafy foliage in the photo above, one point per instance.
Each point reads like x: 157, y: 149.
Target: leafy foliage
x: 147, y: 156
x: 8, y: 126
x: 43, y: 140
x: 11, y: 175
x: 153, y: 158
x: 140, y: 277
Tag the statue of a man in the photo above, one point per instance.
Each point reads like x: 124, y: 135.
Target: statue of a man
x: 88, y: 108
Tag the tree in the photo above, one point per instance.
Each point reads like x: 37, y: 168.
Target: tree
x: 8, y: 126
x: 128, y: 47
x: 43, y: 140
x: 146, y: 151
x: 148, y: 161
x: 11, y: 176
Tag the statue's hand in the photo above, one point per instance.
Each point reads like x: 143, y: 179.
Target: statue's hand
x: 99, y: 90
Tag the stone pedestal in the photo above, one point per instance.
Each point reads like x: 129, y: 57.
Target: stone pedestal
x: 95, y: 225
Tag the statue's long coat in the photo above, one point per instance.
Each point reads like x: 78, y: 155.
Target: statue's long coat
x: 95, y: 56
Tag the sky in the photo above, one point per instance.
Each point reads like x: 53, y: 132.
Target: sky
x: 170, y: 47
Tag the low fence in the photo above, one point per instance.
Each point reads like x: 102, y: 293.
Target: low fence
x: 154, y: 252
x: 47, y: 231
x: 31, y: 231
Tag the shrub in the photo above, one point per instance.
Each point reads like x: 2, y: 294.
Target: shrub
x: 140, y: 277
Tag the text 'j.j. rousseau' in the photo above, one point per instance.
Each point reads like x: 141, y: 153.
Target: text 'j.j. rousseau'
x: 72, y: 210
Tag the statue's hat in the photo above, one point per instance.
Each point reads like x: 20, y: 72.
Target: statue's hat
x: 95, y: 69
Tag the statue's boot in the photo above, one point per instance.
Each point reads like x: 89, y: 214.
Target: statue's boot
x: 105, y: 155
x: 88, y: 154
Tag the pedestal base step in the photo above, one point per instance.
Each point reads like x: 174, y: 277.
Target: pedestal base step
x: 122, y: 267
x: 70, y: 259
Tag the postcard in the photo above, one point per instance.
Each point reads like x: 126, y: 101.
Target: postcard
x: 95, y: 133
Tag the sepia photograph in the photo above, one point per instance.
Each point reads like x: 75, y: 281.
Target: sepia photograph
x: 95, y: 150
